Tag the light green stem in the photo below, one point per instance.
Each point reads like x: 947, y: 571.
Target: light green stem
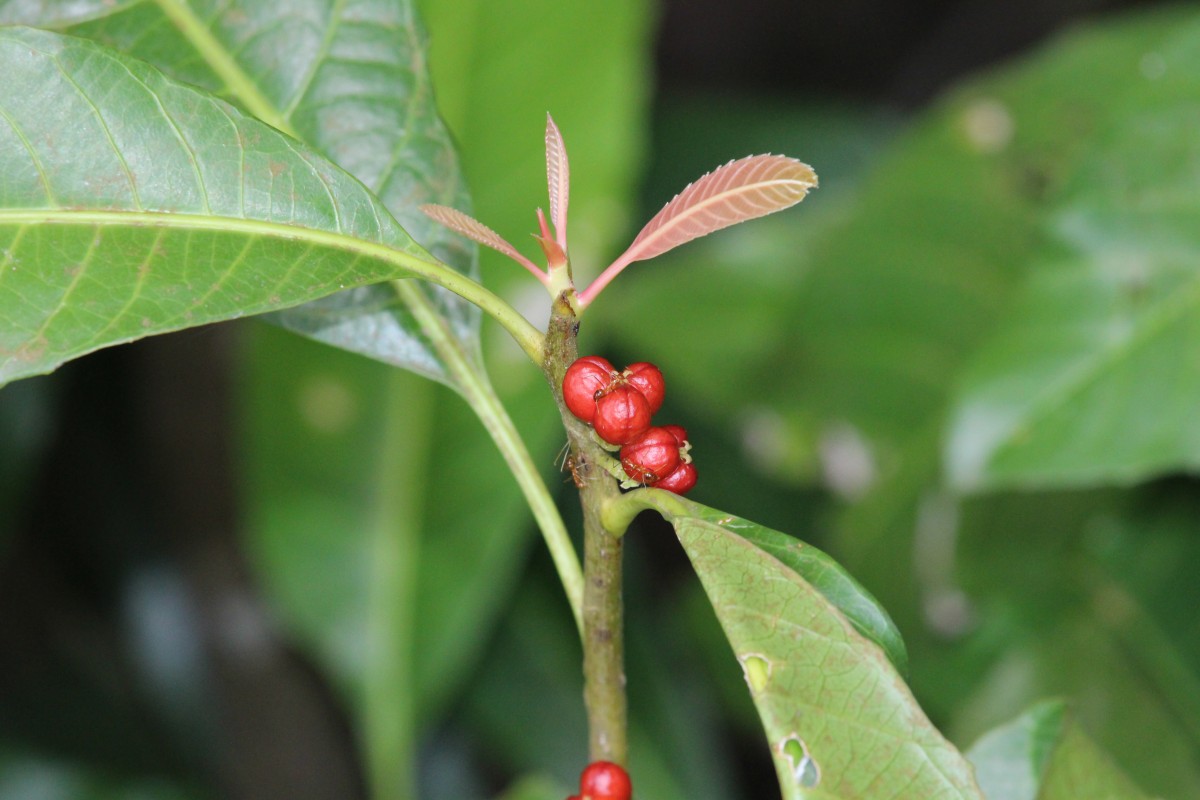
x: 482, y: 398
x: 388, y: 705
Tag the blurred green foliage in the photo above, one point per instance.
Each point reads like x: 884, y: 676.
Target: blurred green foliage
x: 1024, y: 251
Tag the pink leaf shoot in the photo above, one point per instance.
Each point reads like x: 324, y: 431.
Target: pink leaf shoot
x: 741, y: 190
x: 475, y: 230
x: 558, y: 176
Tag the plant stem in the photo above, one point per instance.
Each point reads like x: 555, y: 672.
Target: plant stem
x: 389, y: 729
x: 603, y: 615
x: 473, y: 384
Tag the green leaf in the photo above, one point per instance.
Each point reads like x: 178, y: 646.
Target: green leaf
x: 1091, y: 378
x: 1045, y: 755
x: 815, y: 567
x: 1010, y: 760
x: 838, y: 716
x: 349, y: 80
x: 131, y: 204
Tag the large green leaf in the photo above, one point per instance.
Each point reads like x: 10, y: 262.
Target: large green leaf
x: 350, y: 80
x: 838, y: 716
x: 131, y: 204
x: 839, y: 719
x: 1044, y: 755
x: 1093, y: 377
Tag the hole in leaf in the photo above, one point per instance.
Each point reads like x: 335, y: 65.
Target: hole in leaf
x: 804, y: 769
x: 757, y: 670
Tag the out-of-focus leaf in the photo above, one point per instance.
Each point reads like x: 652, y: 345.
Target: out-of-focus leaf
x: 839, y: 719
x: 1086, y: 596
x: 24, y: 428
x: 135, y: 205
x: 351, y: 81
x: 1092, y: 376
x: 1010, y: 760
x: 499, y: 69
x: 312, y: 420
x: 1045, y: 755
x: 31, y: 778
x: 536, y: 788
x: 900, y: 297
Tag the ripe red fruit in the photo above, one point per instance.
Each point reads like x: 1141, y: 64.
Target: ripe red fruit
x: 678, y: 431
x: 604, y: 780
x: 586, y: 378
x: 647, y: 379
x: 622, y: 414
x: 681, y: 480
x: 651, y: 456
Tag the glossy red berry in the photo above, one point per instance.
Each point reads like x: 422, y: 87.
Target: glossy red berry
x: 622, y: 414
x: 651, y: 456
x: 586, y: 378
x: 680, y: 481
x: 604, y: 780
x: 647, y: 379
x: 679, y: 432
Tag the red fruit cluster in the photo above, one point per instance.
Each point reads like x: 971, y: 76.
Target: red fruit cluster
x: 604, y: 780
x: 619, y: 406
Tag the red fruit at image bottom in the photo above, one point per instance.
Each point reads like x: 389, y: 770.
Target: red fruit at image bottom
x: 651, y: 456
x: 680, y: 481
x: 622, y: 414
x: 604, y: 780
x: 586, y: 378
x: 647, y: 379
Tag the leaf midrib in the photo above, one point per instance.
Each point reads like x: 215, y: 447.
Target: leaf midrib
x: 428, y: 268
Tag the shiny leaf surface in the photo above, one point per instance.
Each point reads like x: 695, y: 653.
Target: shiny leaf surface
x: 131, y: 204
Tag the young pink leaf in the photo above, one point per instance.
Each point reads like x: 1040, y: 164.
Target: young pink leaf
x: 473, y: 229
x: 741, y: 190
x: 558, y: 176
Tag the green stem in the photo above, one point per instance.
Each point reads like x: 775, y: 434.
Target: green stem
x: 482, y: 398
x: 389, y: 708
x: 618, y: 512
x: 603, y: 613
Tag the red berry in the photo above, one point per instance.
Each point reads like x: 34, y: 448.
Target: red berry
x: 622, y: 414
x: 681, y: 480
x: 604, y: 780
x: 651, y: 456
x: 584, y: 380
x: 678, y: 431
x: 647, y: 379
